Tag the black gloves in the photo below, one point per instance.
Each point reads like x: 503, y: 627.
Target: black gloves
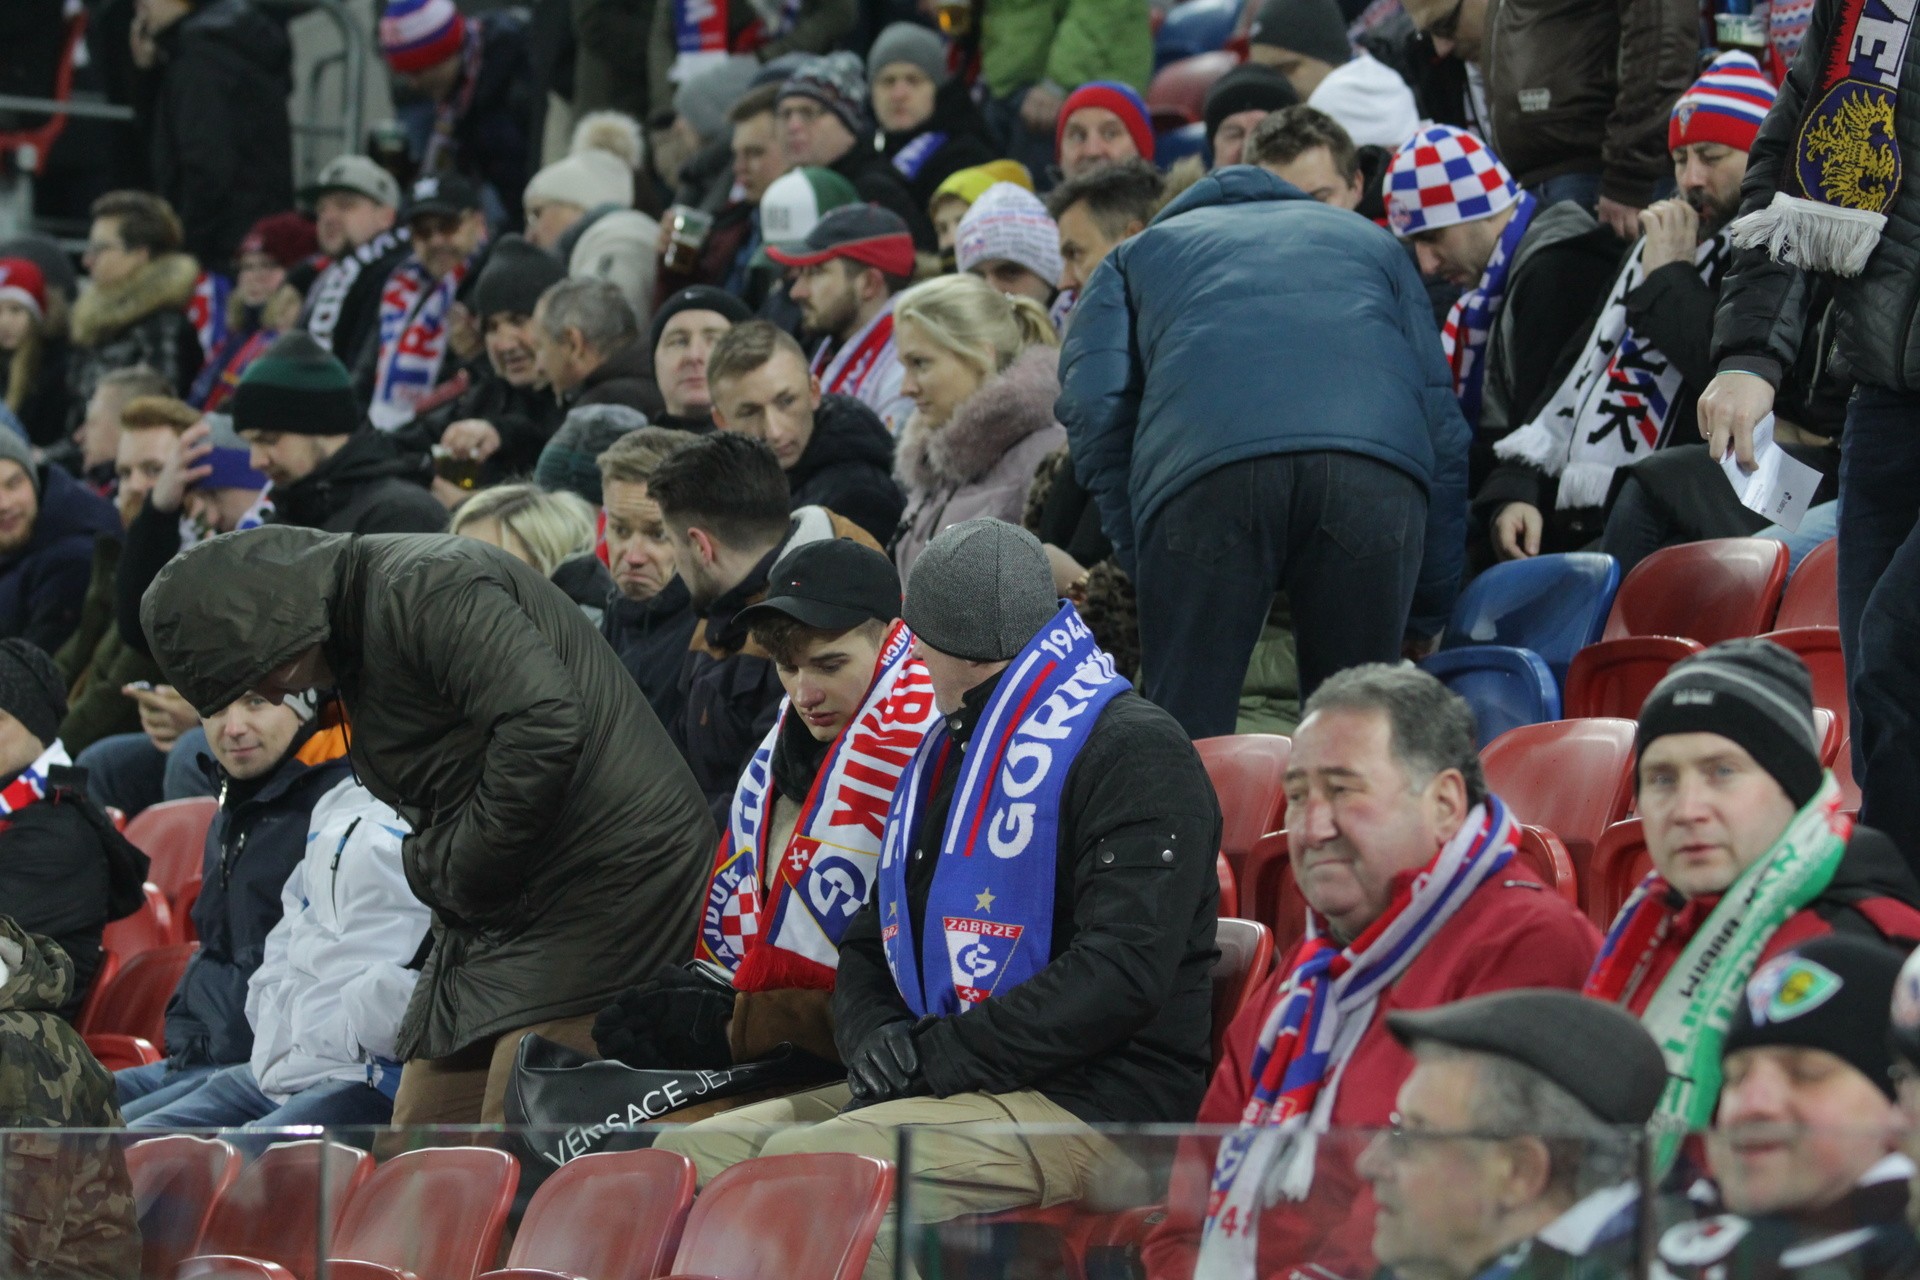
x: 675, y: 1020
x: 886, y: 1066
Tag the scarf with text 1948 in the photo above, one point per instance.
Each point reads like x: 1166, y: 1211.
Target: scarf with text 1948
x: 413, y: 340
x: 827, y: 867
x: 30, y: 784
x: 1318, y: 1017
x: 991, y: 918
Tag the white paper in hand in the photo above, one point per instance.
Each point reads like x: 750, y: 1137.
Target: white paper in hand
x: 1779, y: 487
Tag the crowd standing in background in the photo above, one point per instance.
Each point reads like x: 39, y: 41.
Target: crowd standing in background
x: 711, y: 545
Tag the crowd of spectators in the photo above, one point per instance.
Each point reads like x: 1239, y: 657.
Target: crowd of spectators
x: 718, y: 551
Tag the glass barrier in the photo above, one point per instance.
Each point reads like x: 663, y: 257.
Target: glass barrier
x: 742, y: 1196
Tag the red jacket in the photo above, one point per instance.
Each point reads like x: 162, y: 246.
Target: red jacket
x: 1513, y: 932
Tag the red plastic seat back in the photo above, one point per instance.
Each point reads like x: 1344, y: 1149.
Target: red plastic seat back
x: 1826, y: 728
x: 1541, y: 851
x: 176, y: 1180
x: 116, y: 1052
x: 1246, y: 958
x: 794, y: 1217
x: 1178, y: 92
x: 1709, y: 591
x: 1229, y: 885
x: 147, y: 929
x: 173, y: 835
x: 1843, y: 774
x: 1614, y: 677
x: 135, y: 1001
x: 273, y: 1211
x: 1812, y: 598
x: 616, y: 1215
x: 1249, y: 775
x: 1819, y: 648
x: 1572, y: 777
x: 1268, y: 893
x: 437, y: 1212
x: 1620, y: 861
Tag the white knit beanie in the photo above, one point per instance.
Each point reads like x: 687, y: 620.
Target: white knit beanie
x: 1009, y: 222
x: 606, y: 151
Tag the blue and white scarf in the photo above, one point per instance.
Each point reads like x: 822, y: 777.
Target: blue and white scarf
x: 29, y: 786
x: 990, y: 909
x: 1464, y: 336
x: 413, y: 340
x: 909, y: 160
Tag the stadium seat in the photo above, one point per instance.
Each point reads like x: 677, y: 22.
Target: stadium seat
x: 1542, y: 851
x: 1553, y: 605
x: 615, y: 1215
x: 118, y: 817
x: 102, y: 979
x: 1506, y: 688
x: 116, y: 1052
x: 1812, y: 597
x: 135, y: 1002
x: 1843, y: 773
x: 148, y: 928
x: 1178, y: 94
x: 1620, y: 862
x: 1229, y: 885
x: 1720, y: 589
x: 1198, y: 26
x: 1572, y: 777
x: 1269, y: 895
x: 1246, y: 958
x: 272, y: 1212
x: 1614, y: 677
x: 1249, y: 775
x: 1819, y: 648
x: 795, y: 1217
x: 176, y: 1180
x: 436, y: 1212
x: 183, y: 911
x: 1826, y: 727
x: 173, y: 835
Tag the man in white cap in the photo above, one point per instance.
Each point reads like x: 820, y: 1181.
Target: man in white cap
x: 355, y: 203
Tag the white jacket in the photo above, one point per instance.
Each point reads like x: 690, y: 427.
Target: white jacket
x: 1371, y: 102
x: 327, y: 1000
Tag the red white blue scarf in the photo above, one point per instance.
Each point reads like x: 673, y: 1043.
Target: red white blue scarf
x: 1319, y: 1015
x: 413, y: 340
x: 207, y: 310
x: 30, y: 787
x: 700, y: 33
x: 1464, y: 336
x: 846, y: 371
x: 827, y: 866
x: 989, y: 911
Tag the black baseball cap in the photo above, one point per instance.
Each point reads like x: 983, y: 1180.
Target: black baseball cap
x: 447, y: 193
x: 834, y: 584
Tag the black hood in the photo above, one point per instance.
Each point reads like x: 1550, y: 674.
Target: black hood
x: 844, y: 430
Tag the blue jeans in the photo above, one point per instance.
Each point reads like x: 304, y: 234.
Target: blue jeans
x: 144, y: 1089
x: 230, y: 1098
x: 1880, y: 606
x: 127, y: 772
x: 1819, y: 524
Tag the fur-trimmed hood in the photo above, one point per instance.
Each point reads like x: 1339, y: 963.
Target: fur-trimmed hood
x: 1008, y: 407
x: 101, y: 313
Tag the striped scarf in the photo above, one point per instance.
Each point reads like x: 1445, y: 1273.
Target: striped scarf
x: 29, y: 786
x: 1464, y: 337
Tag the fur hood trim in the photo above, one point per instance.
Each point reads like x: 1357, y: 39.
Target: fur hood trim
x: 1008, y: 407
x: 167, y: 281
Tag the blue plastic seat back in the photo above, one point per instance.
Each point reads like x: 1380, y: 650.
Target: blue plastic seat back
x: 1553, y: 605
x: 1196, y: 26
x: 1177, y: 144
x: 1506, y: 687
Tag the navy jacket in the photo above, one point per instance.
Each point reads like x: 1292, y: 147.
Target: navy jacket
x: 43, y: 585
x: 1248, y: 321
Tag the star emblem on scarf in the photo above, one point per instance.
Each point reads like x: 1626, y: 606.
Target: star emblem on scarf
x: 983, y: 900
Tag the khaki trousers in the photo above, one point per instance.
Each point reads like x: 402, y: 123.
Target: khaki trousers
x: 958, y: 1168
x: 470, y: 1087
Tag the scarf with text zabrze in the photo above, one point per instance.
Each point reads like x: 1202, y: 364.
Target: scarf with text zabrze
x: 824, y: 874
x: 1616, y: 404
x: 30, y: 785
x: 413, y: 340
x: 1463, y: 339
x: 990, y: 909
x: 1319, y: 1015
x: 701, y: 39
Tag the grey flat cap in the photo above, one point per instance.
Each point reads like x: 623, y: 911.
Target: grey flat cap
x: 980, y: 591
x: 1596, y: 1051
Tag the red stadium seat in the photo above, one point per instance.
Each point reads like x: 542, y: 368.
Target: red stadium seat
x: 1710, y: 591
x: 1843, y: 773
x: 147, y: 929
x: 1614, y: 677
x: 116, y: 1052
x: 173, y: 835
x: 118, y: 817
x: 1826, y: 727
x: 183, y: 911
x: 272, y: 1212
x: 135, y: 1002
x: 616, y: 1215
x: 1812, y: 598
x: 1269, y: 895
x: 1249, y: 775
x: 1229, y: 885
x: 176, y: 1180
x: 1541, y: 850
x: 1178, y: 93
x: 1620, y: 862
x: 1246, y: 958
x: 1819, y: 648
x: 1572, y: 777
x: 437, y: 1212
x: 797, y: 1217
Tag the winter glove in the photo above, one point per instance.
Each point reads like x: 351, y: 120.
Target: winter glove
x: 886, y: 1066
x: 672, y: 1021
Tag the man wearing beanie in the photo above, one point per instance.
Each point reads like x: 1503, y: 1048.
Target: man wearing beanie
x: 1306, y: 41
x: 1007, y: 239
x: 1531, y: 272
x: 1239, y: 100
x: 64, y: 871
x: 496, y: 411
x: 929, y: 127
x: 1805, y: 1147
x: 1632, y: 388
x: 824, y: 120
x: 1037, y: 947
x: 48, y: 523
x: 296, y: 410
x: 1751, y: 856
x: 1102, y: 123
x: 685, y: 327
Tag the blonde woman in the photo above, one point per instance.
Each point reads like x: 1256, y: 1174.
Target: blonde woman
x: 981, y: 369
x: 553, y: 532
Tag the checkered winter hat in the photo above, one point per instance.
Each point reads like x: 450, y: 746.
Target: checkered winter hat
x: 1009, y: 223
x: 1442, y: 177
x: 1725, y: 105
x: 417, y: 34
x: 838, y: 82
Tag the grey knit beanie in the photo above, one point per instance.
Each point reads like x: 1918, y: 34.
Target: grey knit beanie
x: 980, y: 591
x: 571, y: 459
x: 1752, y: 691
x: 706, y: 98
x: 912, y: 43
x: 1311, y: 27
x: 14, y: 448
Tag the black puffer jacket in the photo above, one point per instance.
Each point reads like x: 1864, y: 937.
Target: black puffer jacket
x: 1765, y: 307
x: 1115, y: 1028
x: 525, y: 417
x: 369, y: 486
x: 222, y: 145
x: 556, y: 834
x: 847, y: 467
x: 651, y: 637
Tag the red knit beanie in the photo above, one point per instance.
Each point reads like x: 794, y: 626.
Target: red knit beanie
x: 1117, y: 98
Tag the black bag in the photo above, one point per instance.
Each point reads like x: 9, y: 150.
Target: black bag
x: 576, y: 1105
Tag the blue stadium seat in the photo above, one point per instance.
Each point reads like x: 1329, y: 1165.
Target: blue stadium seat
x: 1553, y: 605
x: 1177, y: 144
x: 1196, y: 26
x: 1506, y: 687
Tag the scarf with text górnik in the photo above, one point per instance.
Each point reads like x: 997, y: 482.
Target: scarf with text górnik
x: 989, y: 914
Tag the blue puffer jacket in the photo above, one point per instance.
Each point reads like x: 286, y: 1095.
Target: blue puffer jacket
x: 1249, y: 320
